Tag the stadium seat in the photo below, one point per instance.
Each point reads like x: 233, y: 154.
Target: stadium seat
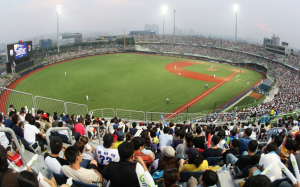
x: 213, y: 161
x: 277, y: 182
x: 35, y: 148
x: 186, y: 175
x: 60, y: 179
x: 77, y: 183
x: 238, y: 174
x: 85, y: 163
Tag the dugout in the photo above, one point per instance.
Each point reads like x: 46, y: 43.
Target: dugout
x: 266, y: 85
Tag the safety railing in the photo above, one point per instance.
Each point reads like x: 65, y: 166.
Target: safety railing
x: 130, y: 115
x: 103, y: 113
x: 76, y: 108
x: 48, y: 134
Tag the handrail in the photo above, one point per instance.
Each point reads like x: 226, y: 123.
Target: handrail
x: 98, y: 132
x: 12, y: 133
x: 57, y: 129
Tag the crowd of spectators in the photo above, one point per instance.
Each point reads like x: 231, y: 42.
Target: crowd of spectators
x: 168, y: 150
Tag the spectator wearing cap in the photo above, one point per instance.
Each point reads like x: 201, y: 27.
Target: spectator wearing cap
x: 46, y: 121
x: 11, y: 108
x: 139, y: 145
x: 105, y: 152
x: 166, y: 159
x: 120, y: 139
x: 195, y: 161
x: 79, y: 127
x: 116, y: 124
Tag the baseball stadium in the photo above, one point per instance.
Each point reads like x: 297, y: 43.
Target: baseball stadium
x: 164, y: 110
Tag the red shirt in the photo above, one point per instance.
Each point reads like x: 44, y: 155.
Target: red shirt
x: 80, y: 129
x: 147, y: 159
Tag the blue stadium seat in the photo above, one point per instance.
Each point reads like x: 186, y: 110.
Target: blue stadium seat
x: 213, y: 161
x: 60, y: 179
x: 186, y: 175
x: 35, y: 148
x: 85, y: 163
x: 77, y: 183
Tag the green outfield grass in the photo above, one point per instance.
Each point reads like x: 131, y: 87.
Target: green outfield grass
x: 113, y: 81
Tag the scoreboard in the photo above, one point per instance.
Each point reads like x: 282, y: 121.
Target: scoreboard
x: 19, y: 51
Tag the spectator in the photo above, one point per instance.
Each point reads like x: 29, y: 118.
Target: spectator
x: 292, y: 148
x: 139, y: 145
x: 32, y: 133
x: 214, y: 151
x: 89, y: 176
x: 166, y: 160
x: 245, y: 160
x: 15, y: 126
x: 170, y: 177
x: 166, y: 138
x: 120, y: 139
x: 258, y: 181
x: 80, y: 127
x: 55, y: 122
x: 52, y: 160
x: 181, y: 148
x: 222, y: 144
x: 266, y: 160
x: 199, y: 141
x: 195, y: 161
x: 234, y: 148
x: 9, y: 179
x: 63, y: 132
x: 122, y: 173
x: 105, y: 152
x: 209, y: 178
x: 245, y: 141
x: 129, y: 136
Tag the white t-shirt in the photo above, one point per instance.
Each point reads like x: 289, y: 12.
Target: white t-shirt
x: 222, y: 144
x: 22, y: 118
x: 107, y: 155
x: 3, y: 139
x: 295, y: 128
x: 82, y: 175
x: 64, y: 132
x: 271, y: 158
x: 29, y: 132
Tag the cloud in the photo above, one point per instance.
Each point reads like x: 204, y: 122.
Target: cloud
x: 265, y: 27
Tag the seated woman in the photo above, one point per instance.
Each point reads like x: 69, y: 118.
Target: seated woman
x: 167, y: 160
x: 195, y: 161
x: 170, y: 177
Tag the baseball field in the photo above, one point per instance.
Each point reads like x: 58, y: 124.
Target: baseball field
x: 140, y: 82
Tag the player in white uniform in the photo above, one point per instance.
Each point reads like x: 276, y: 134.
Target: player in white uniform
x: 105, y: 153
x: 65, y: 73
x: 87, y: 97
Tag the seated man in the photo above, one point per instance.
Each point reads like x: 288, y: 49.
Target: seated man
x: 278, y: 140
x: 292, y: 148
x: 105, y: 152
x: 166, y: 138
x: 88, y: 176
x: 63, y: 132
x: 245, y: 160
x: 133, y: 130
x: 234, y: 148
x: 16, y: 126
x: 199, y: 141
x: 258, y: 181
x: 214, y: 151
x: 52, y: 160
x: 139, y: 145
x: 245, y: 141
x: 266, y: 160
x: 123, y: 173
x: 209, y: 178
x: 32, y: 133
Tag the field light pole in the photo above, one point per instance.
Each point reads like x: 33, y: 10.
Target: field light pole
x: 58, y: 11
x: 236, y: 7
x: 164, y: 10
x: 174, y: 22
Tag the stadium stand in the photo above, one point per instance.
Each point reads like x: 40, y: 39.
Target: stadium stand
x: 259, y: 138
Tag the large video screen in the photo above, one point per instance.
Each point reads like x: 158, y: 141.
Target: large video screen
x: 19, y: 50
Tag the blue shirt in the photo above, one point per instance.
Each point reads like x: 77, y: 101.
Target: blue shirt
x: 244, y: 144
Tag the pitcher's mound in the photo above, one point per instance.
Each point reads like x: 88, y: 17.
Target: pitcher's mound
x: 211, y: 69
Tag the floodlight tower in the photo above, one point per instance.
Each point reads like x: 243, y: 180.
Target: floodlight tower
x: 164, y: 11
x: 174, y: 22
x: 58, y: 11
x: 236, y: 7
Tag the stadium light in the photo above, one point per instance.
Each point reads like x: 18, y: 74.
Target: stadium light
x: 164, y: 11
x: 236, y: 7
x: 58, y: 11
x: 174, y: 22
